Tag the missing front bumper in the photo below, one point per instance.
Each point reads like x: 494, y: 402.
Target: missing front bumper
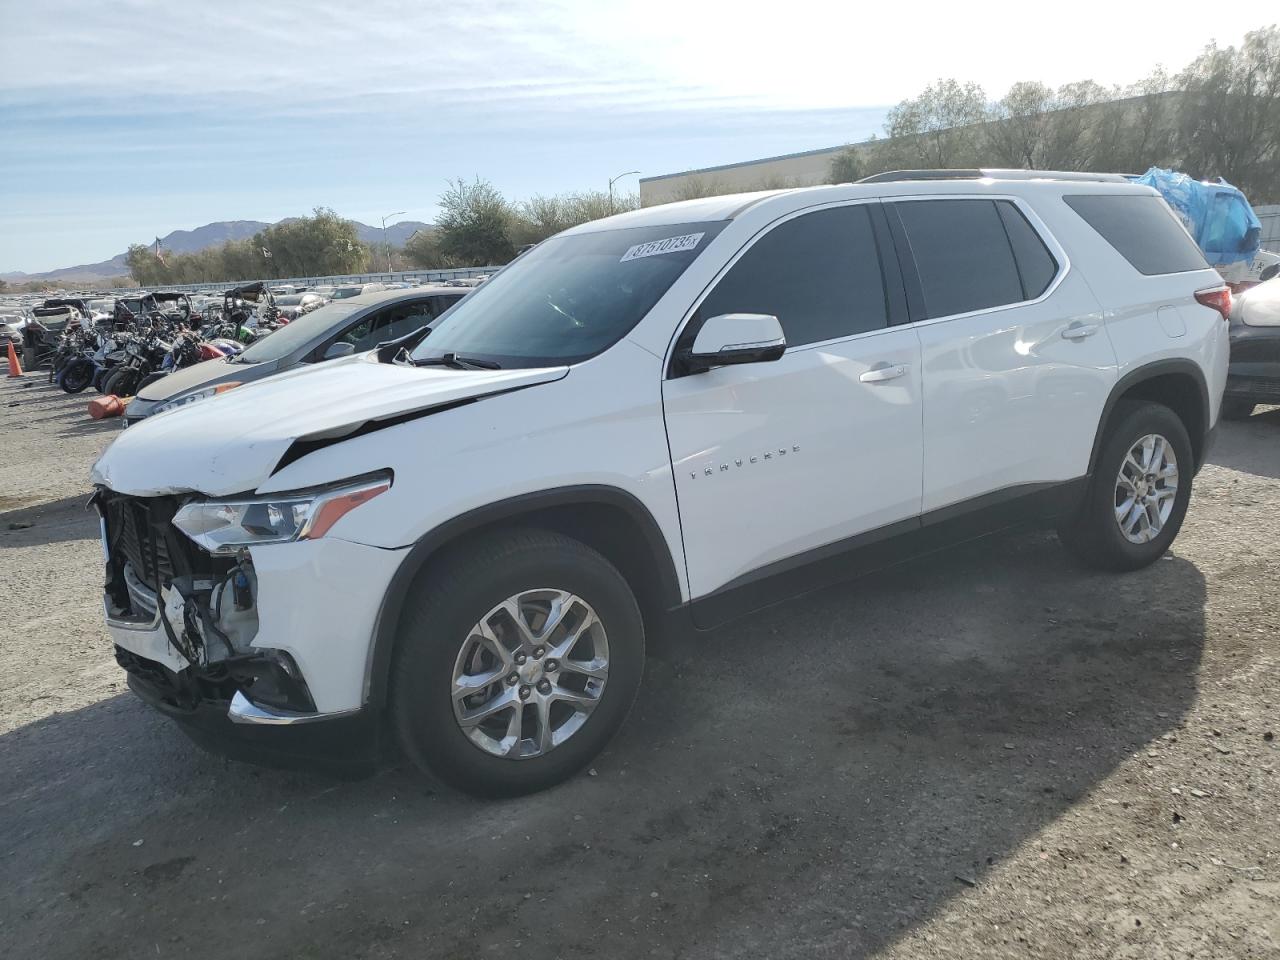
x: 224, y: 721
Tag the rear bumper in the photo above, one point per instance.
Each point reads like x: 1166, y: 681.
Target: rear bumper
x: 1254, y: 373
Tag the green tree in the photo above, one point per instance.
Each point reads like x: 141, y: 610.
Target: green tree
x: 145, y: 267
x: 475, y: 223
x: 540, y: 217
x: 938, y: 128
x: 1228, y: 117
x: 1018, y: 133
x: 322, y: 243
x: 846, y: 166
x: 422, y: 250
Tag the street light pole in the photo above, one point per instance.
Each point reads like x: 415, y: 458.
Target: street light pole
x: 386, y: 246
x: 612, y: 181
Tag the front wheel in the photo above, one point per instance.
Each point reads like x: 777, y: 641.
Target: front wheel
x: 516, y: 661
x: 122, y: 383
x: 1138, y: 496
x: 76, y: 375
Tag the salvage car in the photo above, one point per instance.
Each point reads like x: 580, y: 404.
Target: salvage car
x: 290, y: 306
x: 661, y: 420
x: 335, y: 330
x: 1254, y: 375
x: 355, y: 290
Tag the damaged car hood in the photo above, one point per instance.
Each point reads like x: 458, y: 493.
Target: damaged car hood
x: 231, y: 443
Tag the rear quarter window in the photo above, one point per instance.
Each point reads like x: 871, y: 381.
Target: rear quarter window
x: 1143, y: 230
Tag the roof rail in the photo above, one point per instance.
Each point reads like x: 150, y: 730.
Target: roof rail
x: 895, y: 176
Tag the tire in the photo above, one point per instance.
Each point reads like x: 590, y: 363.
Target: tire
x: 1092, y: 533
x: 109, y: 381
x: 151, y: 378
x: 76, y: 375
x: 122, y: 383
x: 1236, y: 408
x: 453, y: 595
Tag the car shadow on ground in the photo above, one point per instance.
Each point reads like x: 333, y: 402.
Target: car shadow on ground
x: 1249, y: 445
x: 811, y: 781
x: 40, y: 405
x: 55, y: 521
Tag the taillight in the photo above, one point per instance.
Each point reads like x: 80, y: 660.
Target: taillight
x: 1217, y: 297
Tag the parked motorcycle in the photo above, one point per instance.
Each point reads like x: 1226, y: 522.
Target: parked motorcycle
x: 144, y: 355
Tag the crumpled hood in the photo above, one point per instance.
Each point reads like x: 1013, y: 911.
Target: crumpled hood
x: 232, y: 442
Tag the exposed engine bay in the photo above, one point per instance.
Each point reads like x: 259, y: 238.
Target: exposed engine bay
x: 206, y: 606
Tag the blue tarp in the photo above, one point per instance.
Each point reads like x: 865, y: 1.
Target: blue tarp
x: 1217, y: 215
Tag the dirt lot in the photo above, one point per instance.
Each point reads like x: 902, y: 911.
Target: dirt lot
x: 985, y: 754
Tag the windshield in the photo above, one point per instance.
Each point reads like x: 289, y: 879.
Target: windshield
x: 297, y: 334
x: 342, y: 293
x: 289, y: 300
x: 569, y: 298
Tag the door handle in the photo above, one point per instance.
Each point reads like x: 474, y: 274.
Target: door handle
x: 882, y: 372
x: 1078, y: 331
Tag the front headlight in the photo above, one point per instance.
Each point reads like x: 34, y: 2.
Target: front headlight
x: 193, y: 397
x: 225, y: 526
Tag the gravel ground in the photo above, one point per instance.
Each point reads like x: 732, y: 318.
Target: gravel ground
x: 987, y: 753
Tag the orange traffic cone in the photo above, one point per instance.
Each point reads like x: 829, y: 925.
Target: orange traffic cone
x: 15, y: 368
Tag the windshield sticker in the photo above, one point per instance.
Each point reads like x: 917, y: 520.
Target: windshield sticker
x: 669, y: 245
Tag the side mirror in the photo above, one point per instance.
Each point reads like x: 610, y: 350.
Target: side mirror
x: 339, y: 348
x: 737, y: 338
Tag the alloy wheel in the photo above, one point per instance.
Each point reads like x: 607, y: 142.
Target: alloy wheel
x: 1146, y: 488
x: 529, y: 673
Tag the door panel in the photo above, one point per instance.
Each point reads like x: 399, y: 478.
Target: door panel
x: 775, y: 459
x: 1013, y: 391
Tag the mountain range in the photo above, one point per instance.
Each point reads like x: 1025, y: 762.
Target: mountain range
x: 209, y: 235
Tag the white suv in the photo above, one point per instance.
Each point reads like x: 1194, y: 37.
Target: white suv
x: 673, y: 416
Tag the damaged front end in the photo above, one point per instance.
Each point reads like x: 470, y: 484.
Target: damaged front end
x: 204, y: 604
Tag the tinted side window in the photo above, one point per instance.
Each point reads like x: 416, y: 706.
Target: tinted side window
x: 1143, y: 230
x: 396, y: 323
x: 819, y: 274
x: 1036, y: 265
x: 962, y: 254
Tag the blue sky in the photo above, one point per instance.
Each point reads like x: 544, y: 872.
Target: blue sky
x: 126, y: 120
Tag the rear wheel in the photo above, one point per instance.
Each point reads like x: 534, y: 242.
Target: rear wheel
x: 1137, y: 499
x: 516, y: 662
x: 1235, y: 408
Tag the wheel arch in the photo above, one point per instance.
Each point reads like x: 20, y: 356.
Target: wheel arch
x: 1176, y: 383
x: 607, y: 519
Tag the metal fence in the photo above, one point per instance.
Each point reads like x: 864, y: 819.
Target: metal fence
x: 423, y: 276
x: 1269, y: 215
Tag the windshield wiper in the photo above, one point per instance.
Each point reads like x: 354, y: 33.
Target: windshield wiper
x: 457, y: 362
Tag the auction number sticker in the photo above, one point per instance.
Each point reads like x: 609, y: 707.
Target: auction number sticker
x: 655, y: 247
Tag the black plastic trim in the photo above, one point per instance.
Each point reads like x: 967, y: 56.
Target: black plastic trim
x: 916, y: 308
x: 890, y: 269
x: 388, y: 620
x: 886, y: 546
